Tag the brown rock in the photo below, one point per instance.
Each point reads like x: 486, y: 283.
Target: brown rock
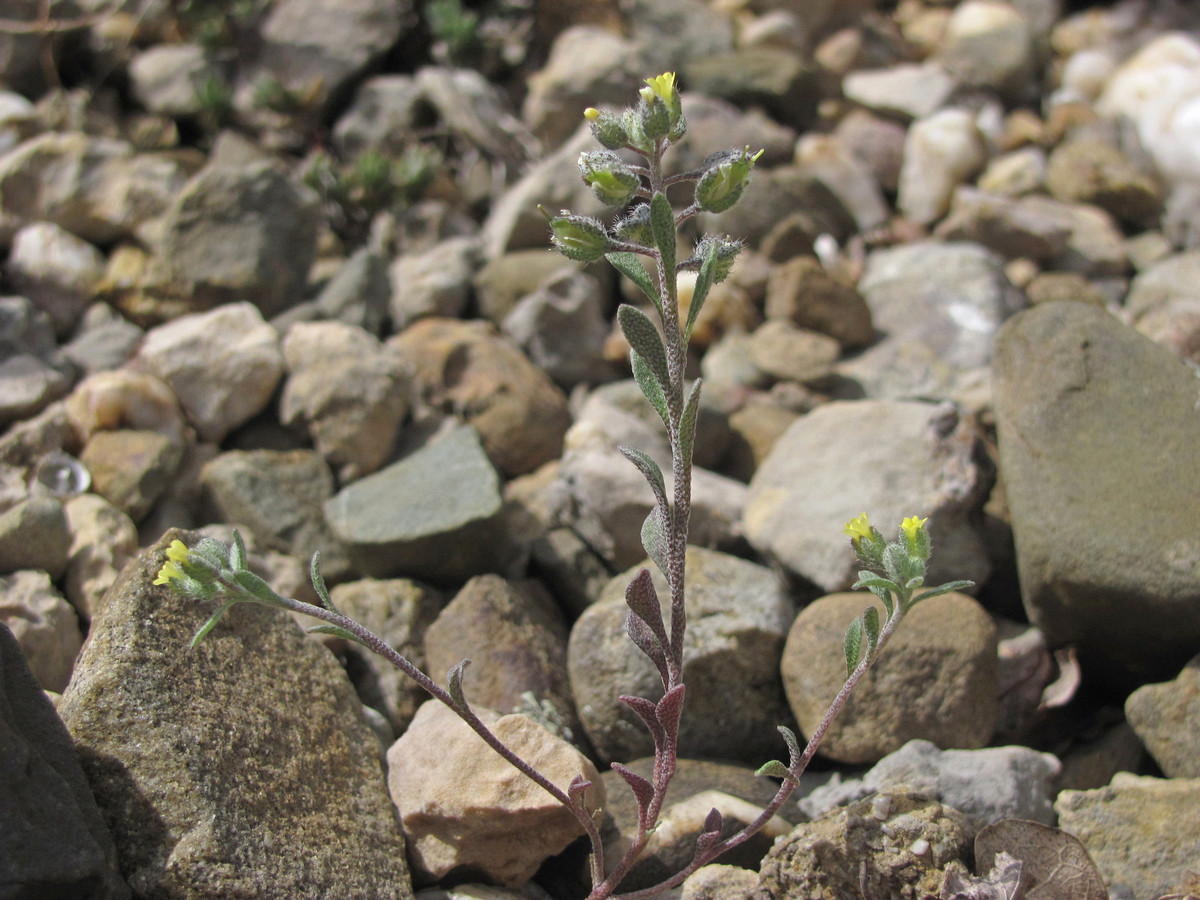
x: 800, y: 290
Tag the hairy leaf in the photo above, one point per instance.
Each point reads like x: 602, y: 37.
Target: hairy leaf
x: 853, y: 645
x: 793, y: 745
x: 212, y: 622
x: 654, y: 539
x: 629, y: 265
x: 670, y: 708
x: 711, y: 833
x: 650, y: 387
x: 774, y: 769
x: 870, y: 618
x: 662, y: 224
x: 687, y: 423
x: 212, y: 552
x: 334, y: 630
x: 704, y: 281
x: 644, y: 338
x: 649, y: 468
x: 642, y: 600
x: 648, y: 713
x: 577, y: 788
x: 318, y: 582
x: 941, y: 589
x: 237, y: 552
x: 647, y: 641
x: 454, y: 679
x: 643, y: 790
x: 258, y: 588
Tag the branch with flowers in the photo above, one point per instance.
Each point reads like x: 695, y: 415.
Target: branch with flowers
x: 893, y: 571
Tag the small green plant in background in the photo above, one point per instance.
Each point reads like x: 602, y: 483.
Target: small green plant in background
x: 648, y: 228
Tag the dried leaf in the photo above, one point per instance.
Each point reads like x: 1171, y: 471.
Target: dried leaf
x: 1054, y: 864
x: 1002, y: 882
x: 1060, y: 691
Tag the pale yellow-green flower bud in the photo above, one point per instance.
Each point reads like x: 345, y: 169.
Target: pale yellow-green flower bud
x: 726, y: 176
x: 579, y: 237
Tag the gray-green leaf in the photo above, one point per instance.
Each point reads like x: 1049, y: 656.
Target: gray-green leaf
x: 629, y: 265
x: 454, y: 679
x: 654, y: 539
x: 704, y: 281
x: 649, y: 468
x: 643, y: 337
x: 687, y: 423
x: 852, y: 645
x: 662, y: 224
x: 871, y: 629
x: 650, y: 387
x: 774, y: 769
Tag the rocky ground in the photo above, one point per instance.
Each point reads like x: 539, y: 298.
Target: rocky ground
x: 279, y: 266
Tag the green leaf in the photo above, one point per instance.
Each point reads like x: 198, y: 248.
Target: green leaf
x: 870, y: 619
x: 885, y: 597
x: 871, y: 580
x: 662, y: 222
x: 704, y: 281
x: 629, y: 265
x: 237, y: 553
x: 257, y: 588
x: 212, y: 622
x: 852, y: 645
x: 643, y: 337
x: 649, y: 468
x: 654, y: 539
x: 687, y: 424
x: 650, y: 387
x: 318, y: 582
x: 940, y: 589
x: 775, y: 769
x: 335, y: 631
x: 212, y: 552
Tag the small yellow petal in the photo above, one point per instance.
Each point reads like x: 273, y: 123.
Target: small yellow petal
x: 859, y: 527
x: 178, y: 551
x: 167, y: 572
x: 591, y: 114
x: 912, y: 525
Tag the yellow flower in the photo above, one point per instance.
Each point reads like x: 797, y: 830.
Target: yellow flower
x: 912, y: 525
x: 177, y: 552
x: 662, y: 87
x: 858, y: 528
x: 591, y: 114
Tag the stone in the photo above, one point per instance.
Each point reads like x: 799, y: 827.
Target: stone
x: 278, y: 496
x: 910, y: 90
x: 131, y: 468
x: 516, y: 640
x: 348, y: 390
x: 985, y: 785
x: 895, y: 844
x: 784, y: 352
x: 560, y: 326
x: 169, y: 79
x: 941, y: 152
x: 777, y: 80
x: 680, y: 31
x: 104, y: 340
x: 1096, y: 173
x: 467, y: 368
x: 465, y: 809
x: 239, y: 232
x: 55, y: 269
x: 756, y: 427
x: 1007, y: 226
x: 223, y: 365
x: 738, y: 615
x: 1062, y: 379
x: 1142, y: 833
x: 358, y: 293
x: 1014, y: 174
x: 54, y: 841
x: 435, y: 281
x: 124, y: 398
x: 34, y: 535
x: 501, y: 282
x: 718, y: 881
x: 877, y: 142
x: 850, y: 179
x: 380, y: 118
x: 936, y: 679
x: 103, y: 540
x: 434, y: 515
x: 33, y: 373
x: 218, y: 768
x: 1163, y: 293
x: 1167, y: 719
x: 989, y: 45
x: 43, y: 624
x: 886, y: 457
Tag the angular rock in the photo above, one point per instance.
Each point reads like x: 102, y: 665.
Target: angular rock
x: 849, y: 178
x: 348, y: 390
x: 985, y: 785
x: 1006, y: 225
x: 467, y: 810
x: 435, y: 281
x: 516, y: 640
x: 55, y: 269
x: 504, y: 280
x: 237, y: 233
x: 784, y: 352
x: 399, y: 611
x: 279, y: 496
x: 358, y: 292
x: 243, y: 766
x: 775, y: 79
x: 895, y: 844
x: 434, y: 515
x: 890, y: 458
x: 103, y: 540
x: 910, y: 90
x: 1167, y: 719
x: 169, y: 79
x: 54, y: 841
x: 124, y: 398
x: 936, y: 679
x: 1097, y: 424
x: 43, y: 624
x: 33, y: 372
x: 1165, y: 293
x: 737, y: 617
x: 878, y: 143
x: 103, y: 340
x: 1092, y: 172
x: 223, y: 365
x: 718, y: 881
x: 1142, y: 833
x: 989, y: 45
x: 468, y: 369
x: 131, y: 469
x: 34, y: 535
x: 802, y: 291
x: 941, y: 152
x: 1022, y: 171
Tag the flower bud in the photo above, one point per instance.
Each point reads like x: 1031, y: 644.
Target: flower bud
x: 635, y: 226
x: 608, y: 128
x: 662, y: 89
x: 609, y: 177
x: 727, y: 253
x: 579, y: 237
x: 653, y: 116
x: 726, y: 176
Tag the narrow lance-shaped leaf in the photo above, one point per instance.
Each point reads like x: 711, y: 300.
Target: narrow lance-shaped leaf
x: 650, y: 387
x: 643, y: 790
x: 259, y: 589
x: 336, y: 631
x: 662, y: 224
x: 687, y: 423
x: 870, y: 620
x: 649, y: 468
x: 654, y: 539
x: 648, y: 713
x: 643, y: 337
x: 793, y: 745
x: 774, y: 769
x: 642, y: 600
x: 852, y: 645
x: 940, y: 589
x: 629, y: 265
x: 454, y: 687
x: 670, y: 708
x: 212, y: 622
x: 237, y: 552
x: 704, y: 281
x: 318, y: 582
x: 645, y: 640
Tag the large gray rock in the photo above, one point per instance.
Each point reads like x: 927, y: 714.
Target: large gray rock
x: 888, y: 458
x: 1098, y: 429
x: 985, y: 785
x: 44, y: 625
x: 244, y: 766
x: 936, y: 679
x: 738, y: 615
x: 33, y: 372
x: 1167, y: 719
x: 54, y: 841
x: 1142, y: 833
x: 436, y: 514
x: 34, y: 535
x: 58, y: 271
x: 938, y: 307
